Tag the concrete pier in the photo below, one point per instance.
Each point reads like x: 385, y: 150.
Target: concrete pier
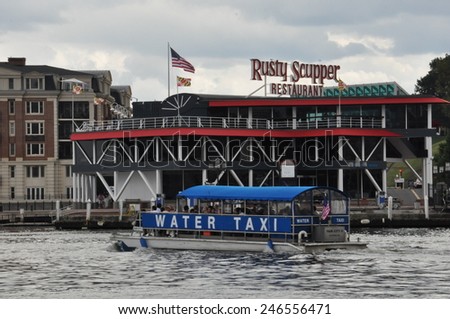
x: 360, y: 217
x: 415, y: 218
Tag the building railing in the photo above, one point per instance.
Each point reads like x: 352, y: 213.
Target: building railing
x: 232, y: 123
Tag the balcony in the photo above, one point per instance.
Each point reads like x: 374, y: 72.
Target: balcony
x: 230, y: 123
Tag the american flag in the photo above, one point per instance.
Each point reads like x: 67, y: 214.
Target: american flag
x: 179, y: 62
x: 326, y: 208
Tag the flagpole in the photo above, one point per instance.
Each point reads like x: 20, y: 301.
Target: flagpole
x: 168, y: 69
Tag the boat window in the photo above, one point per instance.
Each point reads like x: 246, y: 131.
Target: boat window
x: 256, y: 208
x: 338, y: 203
x: 303, y: 204
x: 318, y: 197
x: 227, y: 207
x: 211, y: 207
x: 284, y: 208
x: 181, y: 203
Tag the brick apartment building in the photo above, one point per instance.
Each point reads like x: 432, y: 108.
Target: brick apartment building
x: 40, y: 106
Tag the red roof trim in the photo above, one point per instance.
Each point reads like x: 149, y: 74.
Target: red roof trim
x: 231, y: 132
x: 328, y: 101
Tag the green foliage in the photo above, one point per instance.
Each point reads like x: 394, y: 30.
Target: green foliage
x: 437, y: 83
x: 443, y: 154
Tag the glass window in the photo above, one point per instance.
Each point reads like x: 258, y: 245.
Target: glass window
x: 69, y: 171
x: 65, y: 150
x: 11, y: 84
x: 12, y: 106
x: 35, y: 128
x: 69, y: 192
x: 12, y: 171
x: 282, y: 113
x: 80, y: 110
x: 35, y: 149
x: 34, y: 83
x: 12, y: 149
x: 35, y: 171
x: 262, y: 113
x: 306, y: 117
x: 35, y: 107
x: 35, y: 193
x: 12, y: 193
x: 338, y: 203
x: 65, y: 129
x: 371, y: 111
x: 395, y: 116
x: 303, y: 204
x: 12, y: 128
x: 417, y: 116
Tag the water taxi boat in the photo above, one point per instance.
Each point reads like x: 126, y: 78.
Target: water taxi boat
x: 280, y: 219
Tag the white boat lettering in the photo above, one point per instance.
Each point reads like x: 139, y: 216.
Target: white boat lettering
x: 160, y: 220
x: 211, y: 222
x: 263, y: 224
x: 249, y: 225
x: 275, y: 224
x: 186, y: 218
x: 198, y: 222
x: 174, y: 222
x: 237, y: 220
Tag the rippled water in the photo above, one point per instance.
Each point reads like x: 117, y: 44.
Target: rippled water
x: 45, y: 263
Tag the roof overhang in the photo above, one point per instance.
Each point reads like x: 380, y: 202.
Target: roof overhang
x: 273, y: 193
x: 273, y: 102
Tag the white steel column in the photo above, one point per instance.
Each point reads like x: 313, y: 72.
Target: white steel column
x: 158, y: 172
x: 340, y: 171
x: 203, y: 158
x: 384, y: 171
x: 83, y: 187
x: 92, y: 187
x: 77, y: 187
x: 74, y: 187
x: 250, y: 171
x: 425, y: 187
x: 428, y: 164
x: 429, y: 146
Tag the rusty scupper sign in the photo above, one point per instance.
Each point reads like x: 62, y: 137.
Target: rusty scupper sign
x: 291, y: 75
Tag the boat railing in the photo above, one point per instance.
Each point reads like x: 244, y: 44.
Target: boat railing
x: 230, y: 123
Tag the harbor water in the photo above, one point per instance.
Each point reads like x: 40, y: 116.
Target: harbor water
x: 45, y: 263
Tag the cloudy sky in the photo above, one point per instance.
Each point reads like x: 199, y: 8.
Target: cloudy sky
x: 372, y: 41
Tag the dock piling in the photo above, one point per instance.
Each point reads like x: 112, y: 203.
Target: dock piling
x: 88, y: 210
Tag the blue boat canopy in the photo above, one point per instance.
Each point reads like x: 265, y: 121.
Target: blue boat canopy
x: 273, y: 193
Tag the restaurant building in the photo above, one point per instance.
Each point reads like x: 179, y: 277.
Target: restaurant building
x: 344, y: 138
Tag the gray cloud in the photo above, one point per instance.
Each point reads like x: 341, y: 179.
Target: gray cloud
x: 373, y: 41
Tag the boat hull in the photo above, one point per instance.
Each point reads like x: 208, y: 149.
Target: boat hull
x: 127, y: 242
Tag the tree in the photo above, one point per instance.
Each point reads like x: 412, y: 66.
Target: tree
x: 437, y: 83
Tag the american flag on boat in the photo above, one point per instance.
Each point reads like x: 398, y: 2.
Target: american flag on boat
x: 326, y: 208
